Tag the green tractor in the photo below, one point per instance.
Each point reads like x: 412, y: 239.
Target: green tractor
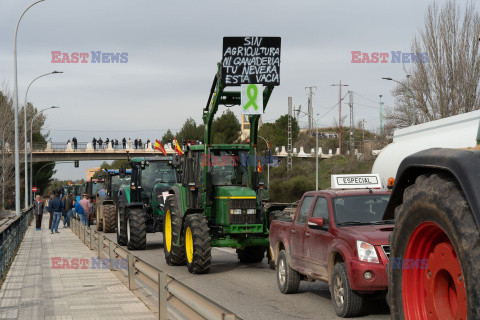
x: 107, y: 197
x: 218, y: 202
x: 141, y: 202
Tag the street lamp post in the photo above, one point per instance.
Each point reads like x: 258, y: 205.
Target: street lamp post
x: 25, y: 136
x: 408, y: 97
x: 3, y: 168
x: 31, y: 146
x: 15, y: 103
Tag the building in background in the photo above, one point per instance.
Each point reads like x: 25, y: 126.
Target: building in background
x: 91, y: 172
x: 245, y: 128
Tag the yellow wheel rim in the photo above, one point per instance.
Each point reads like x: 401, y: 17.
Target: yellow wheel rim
x: 168, y: 231
x: 189, y: 244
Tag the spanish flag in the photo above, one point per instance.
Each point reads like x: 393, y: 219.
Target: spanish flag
x: 269, y: 145
x: 158, y: 146
x: 259, y: 168
x: 177, y: 148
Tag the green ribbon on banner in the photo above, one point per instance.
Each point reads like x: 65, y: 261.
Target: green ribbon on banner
x: 252, y: 92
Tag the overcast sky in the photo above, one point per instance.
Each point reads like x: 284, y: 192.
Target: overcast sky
x: 173, y: 48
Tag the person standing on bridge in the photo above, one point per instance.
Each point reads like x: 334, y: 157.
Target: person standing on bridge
x: 140, y: 143
x: 106, y: 143
x: 100, y: 143
x: 94, y: 142
x: 124, y: 143
x: 38, y: 207
x: 86, y: 205
x: 116, y: 144
x: 56, y: 208
x: 136, y: 143
x: 74, y: 140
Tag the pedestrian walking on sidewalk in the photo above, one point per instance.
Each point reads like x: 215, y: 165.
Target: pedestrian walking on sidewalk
x: 38, y: 207
x: 68, y: 210
x: 79, y: 210
x: 86, y: 205
x: 56, y: 208
x: 50, y: 220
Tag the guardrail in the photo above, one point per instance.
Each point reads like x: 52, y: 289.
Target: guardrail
x: 12, y: 230
x: 167, y: 287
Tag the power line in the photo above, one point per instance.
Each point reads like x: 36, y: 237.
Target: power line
x: 365, y: 97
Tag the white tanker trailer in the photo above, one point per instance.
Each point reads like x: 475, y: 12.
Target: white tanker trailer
x: 453, y: 132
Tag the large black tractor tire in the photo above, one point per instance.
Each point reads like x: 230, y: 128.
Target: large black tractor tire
x: 435, y: 228
x: 288, y: 280
x: 198, y: 251
x: 121, y: 227
x: 136, y: 229
x: 99, y: 220
x: 173, y: 241
x: 346, y: 302
x: 253, y: 254
x: 109, y: 218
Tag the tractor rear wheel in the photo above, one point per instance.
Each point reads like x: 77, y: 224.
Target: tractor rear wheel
x: 197, y: 244
x: 121, y: 227
x: 136, y: 229
x: 173, y: 242
x: 253, y: 254
x: 109, y: 218
x: 436, y: 231
x: 99, y: 217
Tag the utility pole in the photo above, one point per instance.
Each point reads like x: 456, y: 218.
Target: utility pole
x: 363, y: 126
x: 339, y: 114
x: 310, y: 107
x: 381, y: 117
x: 290, y: 144
x: 352, y: 124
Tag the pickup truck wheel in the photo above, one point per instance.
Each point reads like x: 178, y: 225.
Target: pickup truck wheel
x: 288, y: 280
x: 173, y: 241
x: 197, y: 244
x: 436, y: 230
x: 253, y: 254
x: 121, y: 227
x: 346, y: 302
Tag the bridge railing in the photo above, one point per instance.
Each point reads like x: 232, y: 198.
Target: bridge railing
x: 181, y: 297
x: 12, y: 230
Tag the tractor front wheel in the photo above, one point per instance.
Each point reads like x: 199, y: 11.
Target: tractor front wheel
x: 99, y: 217
x: 136, y: 229
x: 109, y: 218
x: 197, y: 244
x: 173, y: 242
x: 436, y: 234
x: 121, y: 227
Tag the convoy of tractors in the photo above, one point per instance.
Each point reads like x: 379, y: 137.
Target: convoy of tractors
x: 418, y: 238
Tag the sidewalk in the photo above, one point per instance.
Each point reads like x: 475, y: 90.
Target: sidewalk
x: 33, y: 290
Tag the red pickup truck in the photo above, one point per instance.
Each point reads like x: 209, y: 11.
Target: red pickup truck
x: 339, y: 237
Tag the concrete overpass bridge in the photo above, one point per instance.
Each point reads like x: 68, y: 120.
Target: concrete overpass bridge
x: 53, y: 151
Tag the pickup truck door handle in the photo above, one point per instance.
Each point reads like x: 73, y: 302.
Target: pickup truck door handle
x: 293, y: 231
x: 307, y: 234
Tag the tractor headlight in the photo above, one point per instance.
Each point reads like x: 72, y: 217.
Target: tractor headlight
x: 366, y: 252
x: 235, y: 211
x: 250, y: 211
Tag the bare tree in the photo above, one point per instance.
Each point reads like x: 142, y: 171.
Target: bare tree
x: 448, y: 82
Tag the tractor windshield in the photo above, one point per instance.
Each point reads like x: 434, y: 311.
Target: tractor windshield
x: 155, y: 172
x: 229, y: 167
x: 97, y: 186
x: 117, y: 182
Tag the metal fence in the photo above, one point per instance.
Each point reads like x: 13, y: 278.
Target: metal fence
x: 181, y: 297
x: 12, y: 231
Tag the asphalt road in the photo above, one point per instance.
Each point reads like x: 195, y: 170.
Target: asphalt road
x: 250, y: 290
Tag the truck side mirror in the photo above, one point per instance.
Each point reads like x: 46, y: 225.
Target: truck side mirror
x: 316, y: 223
